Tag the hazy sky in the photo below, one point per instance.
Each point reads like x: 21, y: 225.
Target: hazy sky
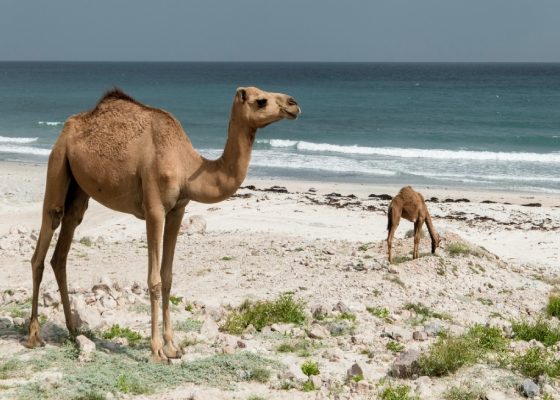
x: 280, y: 30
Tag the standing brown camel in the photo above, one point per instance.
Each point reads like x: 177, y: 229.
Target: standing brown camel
x: 138, y: 160
x: 410, y: 205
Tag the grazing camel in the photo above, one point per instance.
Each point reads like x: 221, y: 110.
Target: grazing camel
x: 138, y: 160
x: 410, y: 205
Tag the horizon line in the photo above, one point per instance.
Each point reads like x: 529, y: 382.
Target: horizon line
x: 277, y: 62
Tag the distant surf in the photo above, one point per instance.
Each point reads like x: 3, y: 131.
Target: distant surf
x: 441, y: 154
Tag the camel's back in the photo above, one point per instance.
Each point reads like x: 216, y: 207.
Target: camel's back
x: 412, y: 203
x: 118, y: 124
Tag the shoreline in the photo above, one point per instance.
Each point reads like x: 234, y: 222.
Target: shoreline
x: 360, y: 189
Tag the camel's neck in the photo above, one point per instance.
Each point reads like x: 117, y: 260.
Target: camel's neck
x: 216, y: 180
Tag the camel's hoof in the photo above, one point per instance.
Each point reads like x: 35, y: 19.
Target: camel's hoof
x: 171, y: 350
x: 159, y: 357
x: 34, y: 341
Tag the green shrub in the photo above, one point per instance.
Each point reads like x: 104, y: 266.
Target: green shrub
x: 131, y: 384
x: 310, y: 368
x: 542, y: 330
x: 302, y: 348
x: 400, y: 392
x: 308, y: 386
x: 447, y: 355
x: 188, y: 325
x: 458, y: 249
x: 536, y: 362
x: 424, y: 312
x: 463, y: 392
x: 175, y: 300
x: 379, y: 312
x: 263, y: 313
x: 394, y: 346
x: 553, y: 306
x: 488, y: 338
x: 116, y: 331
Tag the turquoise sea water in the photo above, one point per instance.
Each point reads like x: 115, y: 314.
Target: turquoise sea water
x: 470, y: 125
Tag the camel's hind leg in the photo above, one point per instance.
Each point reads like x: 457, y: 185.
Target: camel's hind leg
x: 172, y: 225
x: 75, y: 207
x: 58, y: 179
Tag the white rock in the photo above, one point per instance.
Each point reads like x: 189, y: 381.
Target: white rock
x: 195, y: 224
x: 281, y: 328
x: 6, y: 322
x: 209, y: 329
x: 87, y: 348
x: 318, y: 332
x: 84, y: 317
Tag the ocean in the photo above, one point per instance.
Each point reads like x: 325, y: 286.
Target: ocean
x: 487, y: 126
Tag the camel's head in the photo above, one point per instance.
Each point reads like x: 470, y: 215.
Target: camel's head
x: 259, y: 108
x: 435, y: 243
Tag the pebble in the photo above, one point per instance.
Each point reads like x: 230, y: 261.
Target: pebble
x: 530, y: 388
x: 318, y: 332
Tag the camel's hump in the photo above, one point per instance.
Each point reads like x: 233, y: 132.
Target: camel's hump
x: 116, y: 94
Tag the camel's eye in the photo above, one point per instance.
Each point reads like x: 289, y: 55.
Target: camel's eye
x: 261, y: 103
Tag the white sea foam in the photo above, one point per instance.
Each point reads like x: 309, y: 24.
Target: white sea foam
x: 441, y: 154
x: 50, y: 123
x: 4, y: 139
x: 24, y: 150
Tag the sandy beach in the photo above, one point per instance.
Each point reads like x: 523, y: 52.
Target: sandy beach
x: 325, y: 243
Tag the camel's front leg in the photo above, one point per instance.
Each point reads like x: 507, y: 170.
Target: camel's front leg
x: 417, y: 233
x: 154, y: 229
x: 172, y: 226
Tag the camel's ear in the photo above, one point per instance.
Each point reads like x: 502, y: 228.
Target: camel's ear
x: 242, y: 94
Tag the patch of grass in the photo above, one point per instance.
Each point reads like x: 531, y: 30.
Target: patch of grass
x: 424, y: 312
x: 116, y: 331
x: 553, y: 306
x: 140, y: 308
x: 463, y: 392
x: 358, y: 378
x: 399, y: 259
x: 130, y: 371
x: 308, y: 386
x: 348, y: 316
x: 175, y: 300
x: 9, y: 292
x: 395, y: 279
x: 449, y: 353
x: 189, y: 307
x: 227, y: 258
x: 86, y: 241
x: 399, y: 392
x: 395, y: 347
x: 188, y: 325
x: 310, y: 367
x: 487, y: 338
x: 486, y: 302
x: 263, y: 313
x: 536, y: 362
x: 21, y: 310
x: 131, y: 384
x: 302, y: 347
x: 542, y: 330
x: 379, y: 312
x: 10, y: 368
x: 456, y: 249
x: 364, y: 247
x: 255, y: 397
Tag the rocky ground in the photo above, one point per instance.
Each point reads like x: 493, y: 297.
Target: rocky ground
x: 367, y: 323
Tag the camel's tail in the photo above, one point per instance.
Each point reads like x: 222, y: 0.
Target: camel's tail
x: 433, y: 233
